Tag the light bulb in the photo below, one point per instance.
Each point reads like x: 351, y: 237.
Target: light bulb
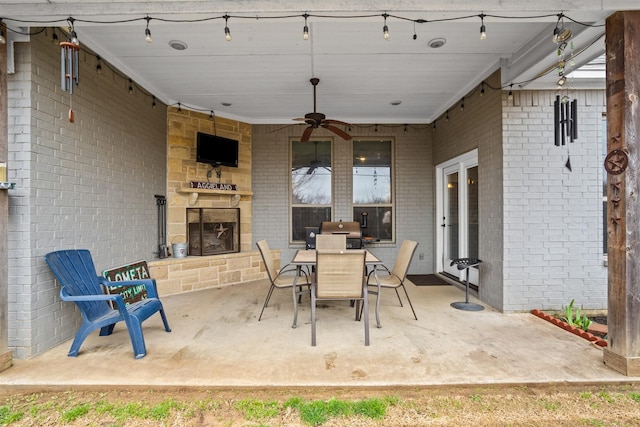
x: 2, y: 39
x: 147, y: 35
x: 227, y: 31
x: 130, y: 87
x: 385, y: 29
x: 74, y: 38
x: 305, y: 30
x: 483, y: 32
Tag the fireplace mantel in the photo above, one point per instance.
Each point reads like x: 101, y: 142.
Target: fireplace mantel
x: 195, y: 192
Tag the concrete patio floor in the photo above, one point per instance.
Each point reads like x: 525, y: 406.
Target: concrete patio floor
x: 216, y: 341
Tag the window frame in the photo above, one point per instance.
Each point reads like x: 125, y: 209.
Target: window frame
x: 292, y: 206
x: 391, y: 205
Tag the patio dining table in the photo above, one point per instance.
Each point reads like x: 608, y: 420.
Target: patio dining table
x: 307, y: 258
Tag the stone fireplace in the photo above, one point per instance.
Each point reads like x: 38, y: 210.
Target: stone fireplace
x: 213, y: 231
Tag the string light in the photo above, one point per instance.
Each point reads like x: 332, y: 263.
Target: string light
x: 482, y: 89
x: 510, y: 96
x: 99, y: 65
x: 147, y: 31
x: 447, y: 117
x: 462, y: 104
x: 54, y: 36
x: 305, y: 30
x: 385, y: 29
x: 153, y: 104
x: 130, y: 87
x: 483, y: 29
x: 2, y: 39
x: 227, y: 32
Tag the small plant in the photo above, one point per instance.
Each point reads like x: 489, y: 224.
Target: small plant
x: 577, y: 318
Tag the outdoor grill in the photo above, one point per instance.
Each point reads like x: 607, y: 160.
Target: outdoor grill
x: 351, y: 229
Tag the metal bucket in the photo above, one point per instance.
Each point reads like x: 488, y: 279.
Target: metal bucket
x: 179, y: 250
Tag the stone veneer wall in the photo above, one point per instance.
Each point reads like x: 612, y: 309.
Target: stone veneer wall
x: 198, y: 272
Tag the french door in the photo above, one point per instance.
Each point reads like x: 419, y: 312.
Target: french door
x: 457, y: 213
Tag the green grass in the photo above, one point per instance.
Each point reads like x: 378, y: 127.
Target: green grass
x: 76, y: 412
x: 8, y: 415
x: 317, y: 412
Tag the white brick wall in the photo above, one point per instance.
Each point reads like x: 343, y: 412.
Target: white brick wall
x: 553, y: 217
x: 413, y: 188
x: 88, y: 184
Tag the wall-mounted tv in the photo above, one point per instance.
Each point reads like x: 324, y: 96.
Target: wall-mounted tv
x: 216, y: 150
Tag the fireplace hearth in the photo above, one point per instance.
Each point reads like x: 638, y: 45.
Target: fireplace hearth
x: 213, y: 231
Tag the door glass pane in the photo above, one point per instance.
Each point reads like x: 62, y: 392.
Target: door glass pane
x: 472, y: 211
x: 452, y: 229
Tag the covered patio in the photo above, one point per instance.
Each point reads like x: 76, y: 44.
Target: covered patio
x: 217, y: 341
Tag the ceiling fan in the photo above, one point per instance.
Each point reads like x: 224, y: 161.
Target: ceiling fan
x: 316, y: 120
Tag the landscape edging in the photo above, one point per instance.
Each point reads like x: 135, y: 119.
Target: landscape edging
x: 564, y: 325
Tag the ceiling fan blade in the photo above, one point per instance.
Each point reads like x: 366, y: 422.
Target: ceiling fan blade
x: 342, y: 134
x: 299, y: 119
x: 306, y: 134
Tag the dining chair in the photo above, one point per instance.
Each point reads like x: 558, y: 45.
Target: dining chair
x: 331, y: 241
x: 285, y: 277
x: 340, y: 275
x: 395, y: 277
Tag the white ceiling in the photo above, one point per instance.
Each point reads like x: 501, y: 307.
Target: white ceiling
x: 264, y: 71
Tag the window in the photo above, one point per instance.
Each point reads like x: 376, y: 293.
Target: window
x: 311, y: 188
x: 372, y: 184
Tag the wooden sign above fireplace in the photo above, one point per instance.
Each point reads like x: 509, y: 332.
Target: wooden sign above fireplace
x: 213, y: 186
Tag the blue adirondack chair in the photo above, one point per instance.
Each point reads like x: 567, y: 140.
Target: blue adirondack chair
x: 76, y: 273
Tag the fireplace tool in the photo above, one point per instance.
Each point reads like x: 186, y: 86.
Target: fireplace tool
x: 163, y: 250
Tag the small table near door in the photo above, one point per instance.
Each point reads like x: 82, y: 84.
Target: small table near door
x: 305, y: 257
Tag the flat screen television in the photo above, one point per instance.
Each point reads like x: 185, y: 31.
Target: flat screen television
x: 216, y: 150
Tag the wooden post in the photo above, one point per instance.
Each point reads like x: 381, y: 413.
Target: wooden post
x: 622, y: 165
x: 6, y: 356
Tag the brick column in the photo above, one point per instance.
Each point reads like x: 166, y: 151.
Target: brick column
x: 6, y: 356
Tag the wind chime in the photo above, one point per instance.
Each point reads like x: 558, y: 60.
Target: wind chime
x: 565, y: 111
x: 70, y: 65
x: 565, y: 119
